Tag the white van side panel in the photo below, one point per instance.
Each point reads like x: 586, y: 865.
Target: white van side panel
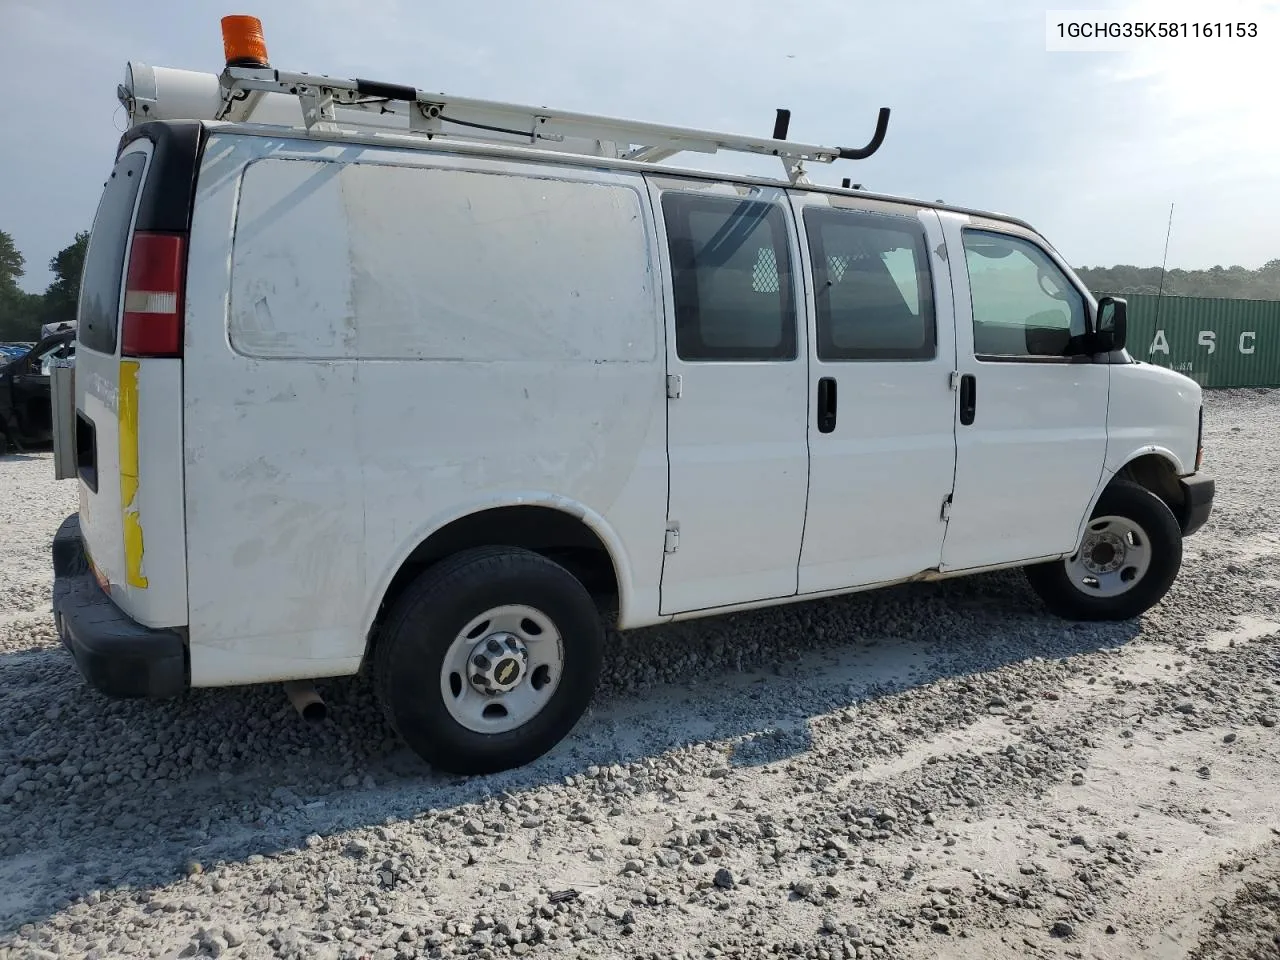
x: 274, y: 507
x: 392, y: 341
x: 522, y: 302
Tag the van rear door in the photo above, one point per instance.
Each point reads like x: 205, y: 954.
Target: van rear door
x: 128, y: 380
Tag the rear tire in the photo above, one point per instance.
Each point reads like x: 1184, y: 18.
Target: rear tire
x: 1129, y: 557
x: 488, y: 659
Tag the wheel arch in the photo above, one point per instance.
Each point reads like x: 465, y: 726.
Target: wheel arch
x: 1153, y: 468
x: 556, y: 527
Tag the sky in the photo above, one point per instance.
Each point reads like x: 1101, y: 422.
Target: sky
x: 1091, y: 148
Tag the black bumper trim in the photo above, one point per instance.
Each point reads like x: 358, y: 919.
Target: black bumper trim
x: 116, y: 654
x: 1197, y: 502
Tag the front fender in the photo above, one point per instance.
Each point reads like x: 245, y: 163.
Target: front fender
x: 1152, y: 410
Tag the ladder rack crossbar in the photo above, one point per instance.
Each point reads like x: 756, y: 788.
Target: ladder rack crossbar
x: 428, y: 113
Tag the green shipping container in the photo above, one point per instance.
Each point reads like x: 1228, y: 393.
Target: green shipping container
x: 1218, y: 343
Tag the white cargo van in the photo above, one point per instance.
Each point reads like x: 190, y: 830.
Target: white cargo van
x: 426, y: 400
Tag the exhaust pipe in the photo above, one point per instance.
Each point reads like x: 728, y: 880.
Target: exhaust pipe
x: 302, y: 694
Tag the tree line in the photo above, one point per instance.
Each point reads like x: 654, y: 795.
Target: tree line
x: 1231, y: 283
x: 22, y: 313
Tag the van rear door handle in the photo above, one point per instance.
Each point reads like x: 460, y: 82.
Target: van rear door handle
x: 826, y: 404
x: 968, y: 398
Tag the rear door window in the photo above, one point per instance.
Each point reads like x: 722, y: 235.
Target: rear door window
x: 99, y: 310
x: 872, y: 289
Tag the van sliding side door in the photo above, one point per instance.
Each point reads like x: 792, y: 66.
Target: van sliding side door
x: 881, y: 425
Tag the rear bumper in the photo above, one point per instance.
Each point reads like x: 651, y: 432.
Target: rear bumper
x: 116, y: 654
x: 1197, y: 503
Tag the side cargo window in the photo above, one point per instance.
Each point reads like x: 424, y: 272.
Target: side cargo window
x: 1023, y: 304
x: 872, y: 289
x: 731, y: 270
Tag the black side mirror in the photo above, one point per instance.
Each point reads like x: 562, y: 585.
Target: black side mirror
x: 1111, y: 332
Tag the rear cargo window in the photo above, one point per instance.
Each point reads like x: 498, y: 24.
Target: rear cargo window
x: 99, y: 311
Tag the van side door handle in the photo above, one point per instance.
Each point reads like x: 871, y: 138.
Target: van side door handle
x: 826, y: 404
x: 968, y: 398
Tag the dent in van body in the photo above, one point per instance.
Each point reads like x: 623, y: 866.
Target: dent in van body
x: 292, y: 225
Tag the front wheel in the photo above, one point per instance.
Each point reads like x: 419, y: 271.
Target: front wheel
x: 488, y: 659
x: 1128, y: 559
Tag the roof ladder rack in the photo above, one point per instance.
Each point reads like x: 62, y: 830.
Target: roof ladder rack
x: 398, y: 108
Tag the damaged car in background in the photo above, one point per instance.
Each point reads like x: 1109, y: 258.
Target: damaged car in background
x: 26, y: 412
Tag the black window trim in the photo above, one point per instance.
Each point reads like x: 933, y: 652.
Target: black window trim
x: 684, y: 201
x: 1080, y: 292
x: 108, y: 344
x: 925, y: 284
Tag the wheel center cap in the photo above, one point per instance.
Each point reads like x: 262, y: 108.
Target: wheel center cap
x: 1105, y: 553
x: 498, y: 663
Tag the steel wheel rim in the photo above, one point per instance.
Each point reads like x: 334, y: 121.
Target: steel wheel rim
x: 1114, y: 555
x: 476, y: 697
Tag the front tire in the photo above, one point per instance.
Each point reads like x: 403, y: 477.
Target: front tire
x: 488, y: 659
x: 1128, y: 559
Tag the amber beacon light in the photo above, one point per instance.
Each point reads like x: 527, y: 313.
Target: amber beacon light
x: 242, y: 41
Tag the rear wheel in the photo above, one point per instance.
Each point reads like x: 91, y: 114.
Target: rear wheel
x: 488, y: 659
x: 1128, y: 559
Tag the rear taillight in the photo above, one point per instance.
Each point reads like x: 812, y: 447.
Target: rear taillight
x: 153, y: 296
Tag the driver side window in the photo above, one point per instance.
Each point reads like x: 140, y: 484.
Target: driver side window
x: 1023, y: 304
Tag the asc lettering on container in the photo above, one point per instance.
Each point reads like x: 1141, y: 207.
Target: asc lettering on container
x: 1207, y: 339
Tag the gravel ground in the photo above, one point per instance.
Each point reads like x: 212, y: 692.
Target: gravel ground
x: 934, y: 771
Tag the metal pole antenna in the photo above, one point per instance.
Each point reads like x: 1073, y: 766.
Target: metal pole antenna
x: 1164, y: 264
